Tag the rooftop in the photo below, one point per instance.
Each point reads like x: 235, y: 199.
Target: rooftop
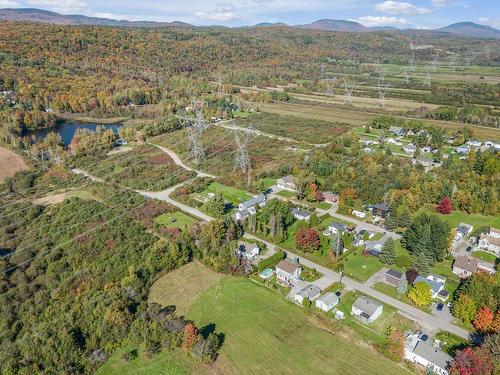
x: 432, y: 354
x: 466, y: 263
x: 261, y: 198
x: 301, y: 212
x: 287, y: 266
x: 394, y: 273
x: 329, y: 298
x: 309, y: 291
x: 367, y: 305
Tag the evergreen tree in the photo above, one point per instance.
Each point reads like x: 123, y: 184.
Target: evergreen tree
x: 404, y: 220
x: 314, y: 220
x: 402, y: 287
x: 388, y: 253
x: 421, y: 264
x: 391, y: 222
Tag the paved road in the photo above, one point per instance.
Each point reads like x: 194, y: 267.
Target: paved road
x: 86, y: 174
x: 429, y: 322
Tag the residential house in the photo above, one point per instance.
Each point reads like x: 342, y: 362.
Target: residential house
x: 252, y: 204
x: 392, y: 277
x: 491, y: 241
x: 465, y: 266
x: 310, y: 292
x: 462, y: 230
x: 472, y: 143
x: 426, y: 150
x: 379, y: 210
x: 396, y: 130
x: 287, y: 183
x: 301, y: 214
x: 361, y: 236
x: 359, y: 214
x: 336, y: 228
x: 436, y: 284
x: 242, y: 215
x: 462, y: 150
x: 410, y: 148
x: 288, y: 272
x: 373, y: 247
x: 329, y: 197
x: 393, y: 141
x: 247, y: 250
x: 366, y: 309
x: 424, y: 160
x: 327, y: 301
x: 422, y: 353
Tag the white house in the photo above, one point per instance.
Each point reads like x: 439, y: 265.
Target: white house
x: 288, y: 272
x: 287, y: 183
x: 474, y: 143
x: 310, y: 292
x: 462, y: 150
x: 336, y: 228
x: 462, y: 230
x: 252, y: 204
x: 420, y: 352
x: 396, y: 130
x: 366, y: 309
x: 410, y: 148
x: 247, y: 250
x: 491, y: 241
x: 300, y: 214
x: 465, y: 266
x: 327, y: 301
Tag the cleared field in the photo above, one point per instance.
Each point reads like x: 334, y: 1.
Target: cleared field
x: 60, y: 197
x: 265, y: 334
x: 312, y: 131
x: 365, y: 102
x: 183, y: 286
x: 176, y: 219
x: 476, y: 220
x: 10, y: 163
x: 355, y: 118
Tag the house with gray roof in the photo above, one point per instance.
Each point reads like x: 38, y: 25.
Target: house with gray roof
x: 287, y: 183
x: 251, y: 204
x: 396, y: 130
x: 287, y: 272
x: 327, y: 301
x: 310, y: 292
x: 366, y: 309
x: 435, y: 282
x: 247, y: 250
x: 422, y: 353
x: 301, y: 214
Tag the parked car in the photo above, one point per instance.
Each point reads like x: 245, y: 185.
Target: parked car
x: 469, y: 248
x: 440, y: 307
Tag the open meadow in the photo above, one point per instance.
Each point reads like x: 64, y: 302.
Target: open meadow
x: 10, y: 163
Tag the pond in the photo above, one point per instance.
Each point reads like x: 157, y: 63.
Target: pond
x: 68, y: 129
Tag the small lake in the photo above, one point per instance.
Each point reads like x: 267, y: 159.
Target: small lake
x: 68, y: 129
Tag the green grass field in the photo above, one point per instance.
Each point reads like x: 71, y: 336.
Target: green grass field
x: 483, y: 255
x: 392, y: 292
x: 476, y: 220
x: 361, y: 267
x: 175, y: 220
x: 286, y: 194
x: 265, y: 334
x: 231, y: 194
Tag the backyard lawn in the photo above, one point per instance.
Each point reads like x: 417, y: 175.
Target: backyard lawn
x: 230, y: 194
x: 476, y: 220
x: 359, y: 266
x: 175, y: 220
x: 265, y: 334
x: 392, y: 292
x: 286, y: 194
x: 483, y: 255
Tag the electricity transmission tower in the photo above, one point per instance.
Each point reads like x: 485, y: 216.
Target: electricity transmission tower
x: 427, y: 80
x: 243, y: 137
x: 412, y: 64
x: 382, y: 89
x: 348, y: 88
x: 196, y: 126
x: 322, y: 71
x: 435, y: 62
x: 381, y: 73
x: 220, y: 86
x: 406, y: 74
x: 453, y: 63
x: 330, y: 82
x: 467, y: 62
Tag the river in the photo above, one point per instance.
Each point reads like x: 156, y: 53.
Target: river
x: 68, y: 129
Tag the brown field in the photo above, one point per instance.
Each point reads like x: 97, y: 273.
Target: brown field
x: 358, y: 118
x: 10, y: 163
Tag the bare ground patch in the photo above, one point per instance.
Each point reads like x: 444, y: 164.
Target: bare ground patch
x: 10, y: 163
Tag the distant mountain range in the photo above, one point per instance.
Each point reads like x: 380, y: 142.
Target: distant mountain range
x: 469, y: 29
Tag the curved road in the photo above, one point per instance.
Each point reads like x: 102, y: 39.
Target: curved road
x: 430, y: 322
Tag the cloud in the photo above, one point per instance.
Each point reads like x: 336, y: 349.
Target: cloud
x: 381, y: 21
x: 440, y: 3
x: 221, y: 13
x: 489, y: 21
x: 62, y: 6
x: 8, y: 3
x: 394, y: 7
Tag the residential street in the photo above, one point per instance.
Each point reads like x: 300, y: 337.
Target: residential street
x: 431, y: 323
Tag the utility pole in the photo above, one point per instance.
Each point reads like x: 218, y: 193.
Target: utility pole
x: 406, y: 75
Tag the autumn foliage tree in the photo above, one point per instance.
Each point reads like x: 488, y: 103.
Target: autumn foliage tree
x: 394, y: 344
x: 472, y: 361
x: 190, y: 337
x: 307, y: 239
x: 444, y: 206
x: 484, y: 318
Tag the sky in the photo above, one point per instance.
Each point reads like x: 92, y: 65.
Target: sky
x: 406, y: 13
